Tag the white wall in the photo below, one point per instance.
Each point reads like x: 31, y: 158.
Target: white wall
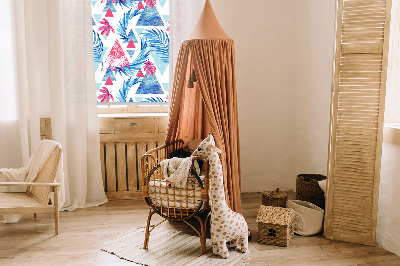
x: 284, y: 52
x: 314, y: 60
x: 388, y: 227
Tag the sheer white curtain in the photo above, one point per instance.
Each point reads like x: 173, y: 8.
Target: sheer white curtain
x: 10, y: 156
x: 183, y: 18
x: 52, y: 75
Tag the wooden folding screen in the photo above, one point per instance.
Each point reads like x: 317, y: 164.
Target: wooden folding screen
x: 358, y: 96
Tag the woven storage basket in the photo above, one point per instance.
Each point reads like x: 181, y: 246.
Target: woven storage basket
x: 308, y: 189
x: 275, y: 225
x: 274, y: 198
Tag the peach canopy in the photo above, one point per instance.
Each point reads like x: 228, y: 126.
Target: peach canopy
x: 211, y: 105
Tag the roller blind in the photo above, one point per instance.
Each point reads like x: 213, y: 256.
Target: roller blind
x: 358, y: 97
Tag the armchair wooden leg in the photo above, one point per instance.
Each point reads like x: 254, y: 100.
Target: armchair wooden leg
x: 147, y: 235
x: 56, y: 212
x: 34, y: 215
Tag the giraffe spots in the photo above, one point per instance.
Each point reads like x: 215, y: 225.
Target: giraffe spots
x: 225, y: 224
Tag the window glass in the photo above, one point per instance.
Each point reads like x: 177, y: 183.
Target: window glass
x: 131, y: 50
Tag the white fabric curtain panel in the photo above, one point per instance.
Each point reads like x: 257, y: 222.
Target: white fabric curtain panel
x: 54, y: 73
x: 183, y: 18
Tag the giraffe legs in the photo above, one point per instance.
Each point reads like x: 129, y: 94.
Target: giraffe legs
x: 243, y: 244
x: 221, y: 249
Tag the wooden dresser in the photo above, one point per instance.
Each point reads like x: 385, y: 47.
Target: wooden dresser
x: 123, y: 140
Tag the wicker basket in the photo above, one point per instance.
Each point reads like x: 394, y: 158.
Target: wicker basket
x: 308, y: 189
x: 274, y: 198
x: 275, y: 225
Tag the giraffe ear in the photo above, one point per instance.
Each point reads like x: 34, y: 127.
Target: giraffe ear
x: 216, y: 149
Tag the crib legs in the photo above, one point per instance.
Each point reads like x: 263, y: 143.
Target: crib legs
x: 203, y: 236
x: 203, y: 231
x: 147, y: 235
x: 203, y: 224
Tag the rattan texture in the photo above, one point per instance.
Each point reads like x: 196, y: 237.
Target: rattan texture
x: 308, y: 189
x: 275, y: 225
x: 17, y: 199
x: 274, y: 198
x: 46, y: 175
x: 167, y: 200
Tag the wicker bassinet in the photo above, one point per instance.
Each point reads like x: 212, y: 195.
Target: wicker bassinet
x: 170, y: 202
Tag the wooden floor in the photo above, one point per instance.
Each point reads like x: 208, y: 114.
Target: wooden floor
x: 82, y: 233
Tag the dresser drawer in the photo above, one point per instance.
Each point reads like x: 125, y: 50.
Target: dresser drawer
x: 134, y: 125
x: 162, y: 124
x: 106, y: 125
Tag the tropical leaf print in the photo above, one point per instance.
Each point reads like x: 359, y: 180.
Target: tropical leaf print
x: 107, y: 28
x: 125, y: 3
x: 158, y: 42
x: 106, y: 96
x: 131, y: 50
x: 136, y: 64
x: 151, y: 3
x: 97, y: 47
x: 125, y: 88
x: 150, y: 68
x: 123, y: 23
x: 154, y: 100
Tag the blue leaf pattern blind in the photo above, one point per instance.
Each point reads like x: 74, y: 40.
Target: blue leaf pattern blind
x: 131, y: 50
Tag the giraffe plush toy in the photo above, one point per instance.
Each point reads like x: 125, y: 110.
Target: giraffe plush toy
x: 226, y: 225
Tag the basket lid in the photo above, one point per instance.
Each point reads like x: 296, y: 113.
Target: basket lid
x: 275, y: 215
x: 275, y: 194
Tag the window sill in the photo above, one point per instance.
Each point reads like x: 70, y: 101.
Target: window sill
x: 132, y: 110
x: 128, y: 115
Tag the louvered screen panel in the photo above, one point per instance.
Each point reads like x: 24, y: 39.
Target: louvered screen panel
x: 358, y: 96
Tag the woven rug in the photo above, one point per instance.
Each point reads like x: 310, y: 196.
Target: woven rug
x: 168, y: 247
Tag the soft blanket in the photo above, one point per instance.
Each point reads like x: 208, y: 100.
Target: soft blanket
x: 176, y: 170
x: 29, y: 173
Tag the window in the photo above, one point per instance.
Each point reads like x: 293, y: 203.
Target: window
x: 131, y: 50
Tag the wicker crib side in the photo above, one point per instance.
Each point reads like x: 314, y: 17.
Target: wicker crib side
x: 169, y: 201
x: 152, y: 158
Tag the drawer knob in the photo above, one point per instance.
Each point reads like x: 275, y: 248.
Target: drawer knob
x: 133, y: 124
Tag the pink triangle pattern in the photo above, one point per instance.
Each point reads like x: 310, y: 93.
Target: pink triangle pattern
x: 140, y: 5
x: 131, y: 44
x: 116, y: 57
x: 109, y: 13
x: 109, y: 82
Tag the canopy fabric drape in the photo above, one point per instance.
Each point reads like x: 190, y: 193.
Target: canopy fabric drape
x: 211, y: 106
